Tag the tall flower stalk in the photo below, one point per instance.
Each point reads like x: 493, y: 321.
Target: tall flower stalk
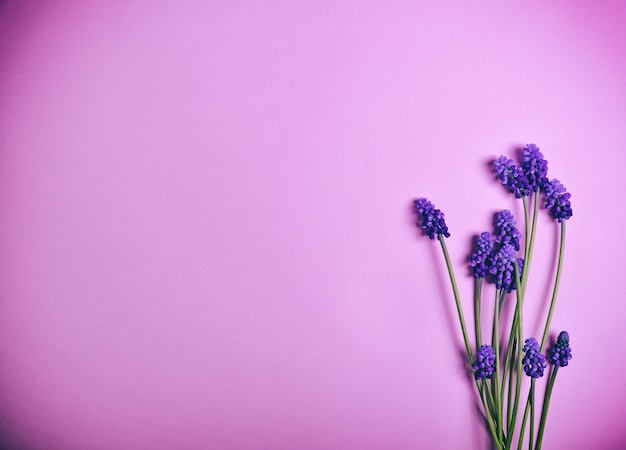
x: 503, y: 257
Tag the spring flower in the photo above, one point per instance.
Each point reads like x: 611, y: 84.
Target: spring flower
x: 506, y: 231
x: 561, y: 353
x: 557, y: 201
x: 485, y: 363
x: 433, y: 222
x: 512, y: 176
x: 479, y: 259
x: 535, y: 167
x: 502, y: 268
x: 534, y: 362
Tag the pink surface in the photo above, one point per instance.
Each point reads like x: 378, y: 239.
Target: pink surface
x: 206, y: 235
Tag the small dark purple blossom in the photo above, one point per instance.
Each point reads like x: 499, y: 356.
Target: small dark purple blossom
x: 432, y: 220
x: 535, y: 167
x: 512, y: 176
x: 557, y: 201
x: 534, y: 362
x: 485, y: 363
x: 560, y: 353
x: 479, y: 260
x: 502, y: 268
x: 506, y: 231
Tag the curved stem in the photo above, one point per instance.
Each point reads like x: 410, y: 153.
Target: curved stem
x: 555, y: 290
x: 532, y: 413
x: 495, y: 338
x: 546, y: 405
x: 457, y: 299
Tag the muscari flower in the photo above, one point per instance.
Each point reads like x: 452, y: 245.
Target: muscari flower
x: 502, y: 268
x: 479, y: 260
x: 534, y: 362
x: 433, y: 222
x: 535, y: 167
x: 506, y: 232
x: 557, y: 201
x: 485, y: 363
x: 512, y: 176
x: 560, y: 353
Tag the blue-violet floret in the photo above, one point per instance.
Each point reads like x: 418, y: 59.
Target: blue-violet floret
x: 433, y: 221
x: 506, y: 231
x: 485, y: 363
x: 535, y: 167
x: 534, y: 362
x: 557, y: 201
x: 479, y: 260
x: 502, y: 269
x: 561, y: 353
x: 512, y: 176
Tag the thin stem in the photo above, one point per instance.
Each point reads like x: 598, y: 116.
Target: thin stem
x: 495, y: 338
x: 482, y: 388
x: 523, y: 428
x: 457, y: 299
x: 532, y: 412
x: 528, y: 255
x: 546, y: 405
x: 519, y: 333
x: 555, y: 290
x: 478, y: 283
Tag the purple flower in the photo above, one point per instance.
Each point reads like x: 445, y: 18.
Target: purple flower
x: 512, y: 176
x: 534, y: 362
x: 479, y: 260
x: 557, y: 201
x: 506, y: 232
x: 560, y: 353
x: 485, y: 363
x: 433, y: 222
x: 502, y: 268
x: 535, y: 167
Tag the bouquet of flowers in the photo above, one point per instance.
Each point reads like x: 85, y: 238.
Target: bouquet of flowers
x: 504, y: 257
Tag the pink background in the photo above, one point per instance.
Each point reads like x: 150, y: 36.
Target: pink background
x: 206, y: 229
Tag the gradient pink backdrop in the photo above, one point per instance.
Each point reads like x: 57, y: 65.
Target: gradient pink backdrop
x: 206, y: 235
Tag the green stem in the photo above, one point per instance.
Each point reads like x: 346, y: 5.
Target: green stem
x: 482, y: 388
x: 528, y: 255
x: 477, y: 298
x: 532, y: 413
x: 523, y: 427
x: 546, y: 405
x: 495, y: 338
x: 519, y: 333
x: 457, y: 299
x: 555, y: 290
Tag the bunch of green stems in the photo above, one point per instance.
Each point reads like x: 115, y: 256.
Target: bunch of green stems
x: 500, y: 396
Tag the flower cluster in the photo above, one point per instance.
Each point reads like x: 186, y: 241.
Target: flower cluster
x: 532, y: 176
x: 512, y: 176
x: 535, y: 167
x: 433, y: 222
x: 506, y: 231
x: 557, y: 201
x: 561, y: 353
x: 534, y: 362
x: 481, y: 258
x: 485, y: 363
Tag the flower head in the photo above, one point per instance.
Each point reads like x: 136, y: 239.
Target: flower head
x: 534, y: 362
x: 560, y: 353
x: 557, y: 201
x: 506, y: 231
x: 512, y: 176
x: 535, y: 167
x: 479, y: 260
x: 485, y: 363
x: 433, y: 222
x: 502, y: 268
